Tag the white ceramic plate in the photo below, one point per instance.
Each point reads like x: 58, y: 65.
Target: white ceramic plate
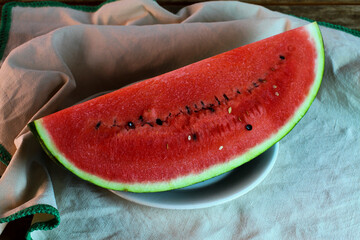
x: 218, y: 190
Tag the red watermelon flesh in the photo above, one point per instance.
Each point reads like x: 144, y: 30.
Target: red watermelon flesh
x: 193, y: 123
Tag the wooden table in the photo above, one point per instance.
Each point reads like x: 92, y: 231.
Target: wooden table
x: 339, y: 12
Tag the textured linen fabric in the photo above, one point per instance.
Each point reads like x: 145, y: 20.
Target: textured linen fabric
x: 57, y: 56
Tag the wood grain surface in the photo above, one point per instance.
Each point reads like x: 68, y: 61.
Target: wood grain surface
x: 338, y: 12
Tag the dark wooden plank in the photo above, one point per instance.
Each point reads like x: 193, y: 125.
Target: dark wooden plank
x: 344, y: 15
x: 347, y: 16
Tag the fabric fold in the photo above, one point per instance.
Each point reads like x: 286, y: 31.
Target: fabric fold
x: 55, y: 55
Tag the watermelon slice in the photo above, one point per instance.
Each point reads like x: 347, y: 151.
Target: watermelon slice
x: 193, y: 123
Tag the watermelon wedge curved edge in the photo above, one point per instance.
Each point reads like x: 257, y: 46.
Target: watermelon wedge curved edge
x: 41, y: 131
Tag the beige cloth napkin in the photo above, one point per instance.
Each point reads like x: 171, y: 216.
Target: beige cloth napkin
x: 57, y: 55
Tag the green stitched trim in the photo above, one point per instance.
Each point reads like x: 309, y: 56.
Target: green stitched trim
x: 5, y: 27
x: 5, y: 156
x: 334, y: 26
x: 7, y: 9
x: 43, y: 226
x: 40, y: 208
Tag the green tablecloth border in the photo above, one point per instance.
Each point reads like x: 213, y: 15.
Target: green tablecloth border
x: 39, y: 208
x: 5, y: 156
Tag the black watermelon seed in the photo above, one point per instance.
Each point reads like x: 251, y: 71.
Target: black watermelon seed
x: 217, y: 100
x: 194, y: 137
x: 261, y: 80
x: 211, y: 109
x: 97, y: 125
x: 282, y: 57
x: 255, y: 85
x: 226, y: 97
x: 141, y: 118
x: 248, y: 127
x: 202, y: 103
x: 238, y: 91
x: 159, y: 122
x: 188, y: 110
x: 131, y: 125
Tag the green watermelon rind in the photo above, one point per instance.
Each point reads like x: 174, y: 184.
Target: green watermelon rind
x: 38, y: 129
